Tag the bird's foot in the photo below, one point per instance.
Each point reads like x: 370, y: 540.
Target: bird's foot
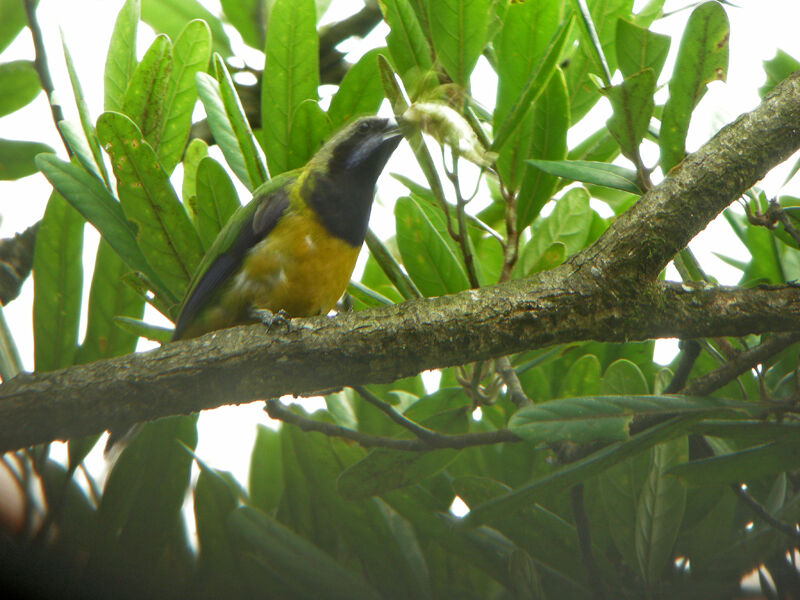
x: 269, y: 318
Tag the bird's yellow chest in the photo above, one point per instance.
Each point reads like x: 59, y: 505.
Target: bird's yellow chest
x: 298, y: 268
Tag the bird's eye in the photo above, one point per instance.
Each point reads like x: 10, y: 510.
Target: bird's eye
x: 363, y: 127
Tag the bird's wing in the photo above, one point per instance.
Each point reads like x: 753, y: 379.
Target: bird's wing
x: 248, y: 226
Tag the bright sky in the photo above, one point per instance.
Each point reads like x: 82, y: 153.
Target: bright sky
x: 758, y: 28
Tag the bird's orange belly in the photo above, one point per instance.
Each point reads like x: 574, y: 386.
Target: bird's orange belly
x: 298, y: 268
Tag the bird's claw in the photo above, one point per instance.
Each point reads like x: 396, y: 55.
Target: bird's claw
x: 269, y: 318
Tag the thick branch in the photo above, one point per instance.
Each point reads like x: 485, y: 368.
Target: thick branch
x: 377, y: 345
x: 645, y: 238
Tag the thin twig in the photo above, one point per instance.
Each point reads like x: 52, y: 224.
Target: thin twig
x: 437, y: 441
x: 690, y: 350
x: 745, y: 361
x: 463, y: 234
x: 418, y: 430
x: 515, y: 392
x: 780, y: 214
x: 761, y: 511
x: 585, y: 542
x: 511, y: 249
x: 40, y: 63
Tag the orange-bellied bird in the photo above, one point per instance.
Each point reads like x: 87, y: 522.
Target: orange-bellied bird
x: 293, y: 247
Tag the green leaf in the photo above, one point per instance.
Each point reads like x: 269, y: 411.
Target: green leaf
x: 620, y: 487
x: 624, y: 377
x: 171, y: 16
x: 19, y: 85
x: 702, y: 58
x: 121, y: 58
x: 291, y: 76
x: 13, y: 21
x: 249, y: 17
x: 576, y: 472
x: 96, y: 165
x: 196, y: 151
x: 406, y: 41
x: 360, y: 91
x: 429, y: 260
x: 144, y: 98
x: 744, y: 465
x: 606, y: 418
x: 633, y: 105
x: 582, y: 378
x: 458, y: 29
x: 165, y: 235
x: 660, y: 512
x: 109, y: 297
x: 256, y: 171
x: 93, y: 200
x: 590, y: 40
x: 310, y: 128
x: 144, y: 492
x: 57, y: 285
x: 777, y: 69
x: 533, y: 87
x: 639, y: 49
x: 302, y: 569
x: 148, y: 331
x: 190, y: 53
x: 215, y: 202
x: 569, y: 224
x: 216, y: 495
x: 265, y: 482
x: 598, y: 173
x: 17, y: 158
x: 548, y: 141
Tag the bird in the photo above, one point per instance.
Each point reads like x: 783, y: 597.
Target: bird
x: 291, y: 250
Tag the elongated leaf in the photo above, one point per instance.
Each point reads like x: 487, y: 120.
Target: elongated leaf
x: 221, y: 127
x: 144, y: 492
x: 191, y: 53
x: 95, y: 203
x: 738, y: 467
x: 216, y: 200
x: 109, y: 297
x: 12, y: 22
x: 310, y: 128
x: 611, y: 176
x: 73, y: 134
x: 548, y: 141
x: 301, y: 568
x: 429, y: 260
x: 121, y: 58
x: 534, y: 86
x: 519, y: 49
x: 17, y: 158
x: 576, y: 472
x: 751, y: 431
x: 591, y: 41
x: 249, y: 17
x: 265, y: 481
x: 165, y: 234
x: 57, y: 285
x: 360, y: 91
x: 196, y: 151
x: 87, y: 123
x: 406, y: 41
x: 639, y: 49
x: 459, y: 29
x: 291, y: 75
x: 256, y: 171
x: 624, y: 377
x: 661, y: 506
x: 606, y: 418
x: 144, y: 98
x: 19, y: 85
x: 171, y: 16
x: 633, y: 105
x: 702, y: 58
x: 142, y: 329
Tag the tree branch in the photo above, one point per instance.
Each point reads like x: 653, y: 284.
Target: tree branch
x: 244, y: 364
